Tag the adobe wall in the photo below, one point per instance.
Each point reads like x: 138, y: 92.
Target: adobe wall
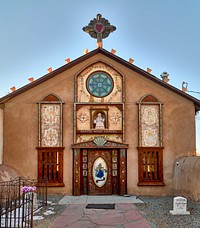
x: 187, y: 178
x: 21, y: 126
x: 1, y: 135
x: 176, y: 142
x: 6, y: 173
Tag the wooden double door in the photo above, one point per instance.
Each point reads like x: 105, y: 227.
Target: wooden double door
x: 99, y: 173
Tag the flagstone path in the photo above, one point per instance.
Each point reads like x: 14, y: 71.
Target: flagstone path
x: 77, y: 216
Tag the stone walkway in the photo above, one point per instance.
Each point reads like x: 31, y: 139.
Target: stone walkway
x: 85, y: 199
x: 77, y: 216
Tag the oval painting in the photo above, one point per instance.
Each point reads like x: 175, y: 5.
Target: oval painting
x: 99, y: 172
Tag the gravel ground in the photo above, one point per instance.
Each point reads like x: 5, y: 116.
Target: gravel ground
x: 155, y: 210
x: 53, y: 207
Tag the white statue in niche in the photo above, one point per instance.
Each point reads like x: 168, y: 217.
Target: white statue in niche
x: 99, y: 122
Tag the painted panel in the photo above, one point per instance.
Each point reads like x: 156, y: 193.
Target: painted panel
x: 123, y: 172
x: 84, y: 138
x: 83, y: 118
x: 50, y: 125
x: 115, y: 118
x: 76, y: 174
x: 150, y: 125
x: 100, y: 172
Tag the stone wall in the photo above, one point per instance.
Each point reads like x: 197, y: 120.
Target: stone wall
x: 187, y: 178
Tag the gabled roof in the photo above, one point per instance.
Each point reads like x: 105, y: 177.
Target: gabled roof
x: 111, y: 56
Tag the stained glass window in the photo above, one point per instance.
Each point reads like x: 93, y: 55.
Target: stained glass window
x: 99, y: 84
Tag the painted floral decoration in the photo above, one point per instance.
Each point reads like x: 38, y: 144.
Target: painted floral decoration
x: 83, y: 117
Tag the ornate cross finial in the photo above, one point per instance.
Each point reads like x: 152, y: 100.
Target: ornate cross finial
x: 99, y: 28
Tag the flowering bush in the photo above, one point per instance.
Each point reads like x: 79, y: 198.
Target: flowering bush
x: 26, y: 189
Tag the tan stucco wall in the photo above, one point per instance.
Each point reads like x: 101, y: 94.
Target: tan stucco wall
x: 187, y: 178
x: 6, y: 173
x: 1, y: 136
x: 21, y: 126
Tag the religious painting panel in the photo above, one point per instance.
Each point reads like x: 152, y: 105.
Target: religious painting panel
x: 50, y: 125
x: 99, y: 83
x: 150, y: 135
x: 100, y: 172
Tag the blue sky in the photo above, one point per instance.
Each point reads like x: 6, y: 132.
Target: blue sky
x: 159, y: 34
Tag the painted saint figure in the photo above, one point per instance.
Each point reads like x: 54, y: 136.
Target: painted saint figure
x: 99, y: 171
x: 99, y: 122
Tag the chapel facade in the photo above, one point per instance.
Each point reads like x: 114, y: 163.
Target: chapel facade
x: 99, y: 125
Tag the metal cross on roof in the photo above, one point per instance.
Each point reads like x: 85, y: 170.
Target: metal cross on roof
x: 99, y: 28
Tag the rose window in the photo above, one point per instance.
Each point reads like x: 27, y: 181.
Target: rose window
x: 99, y: 84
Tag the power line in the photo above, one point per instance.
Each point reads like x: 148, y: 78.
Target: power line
x: 193, y: 92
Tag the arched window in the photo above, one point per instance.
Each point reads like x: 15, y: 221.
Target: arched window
x: 50, y: 148
x: 150, y: 150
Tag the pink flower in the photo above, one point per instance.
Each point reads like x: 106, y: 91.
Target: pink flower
x: 26, y: 189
